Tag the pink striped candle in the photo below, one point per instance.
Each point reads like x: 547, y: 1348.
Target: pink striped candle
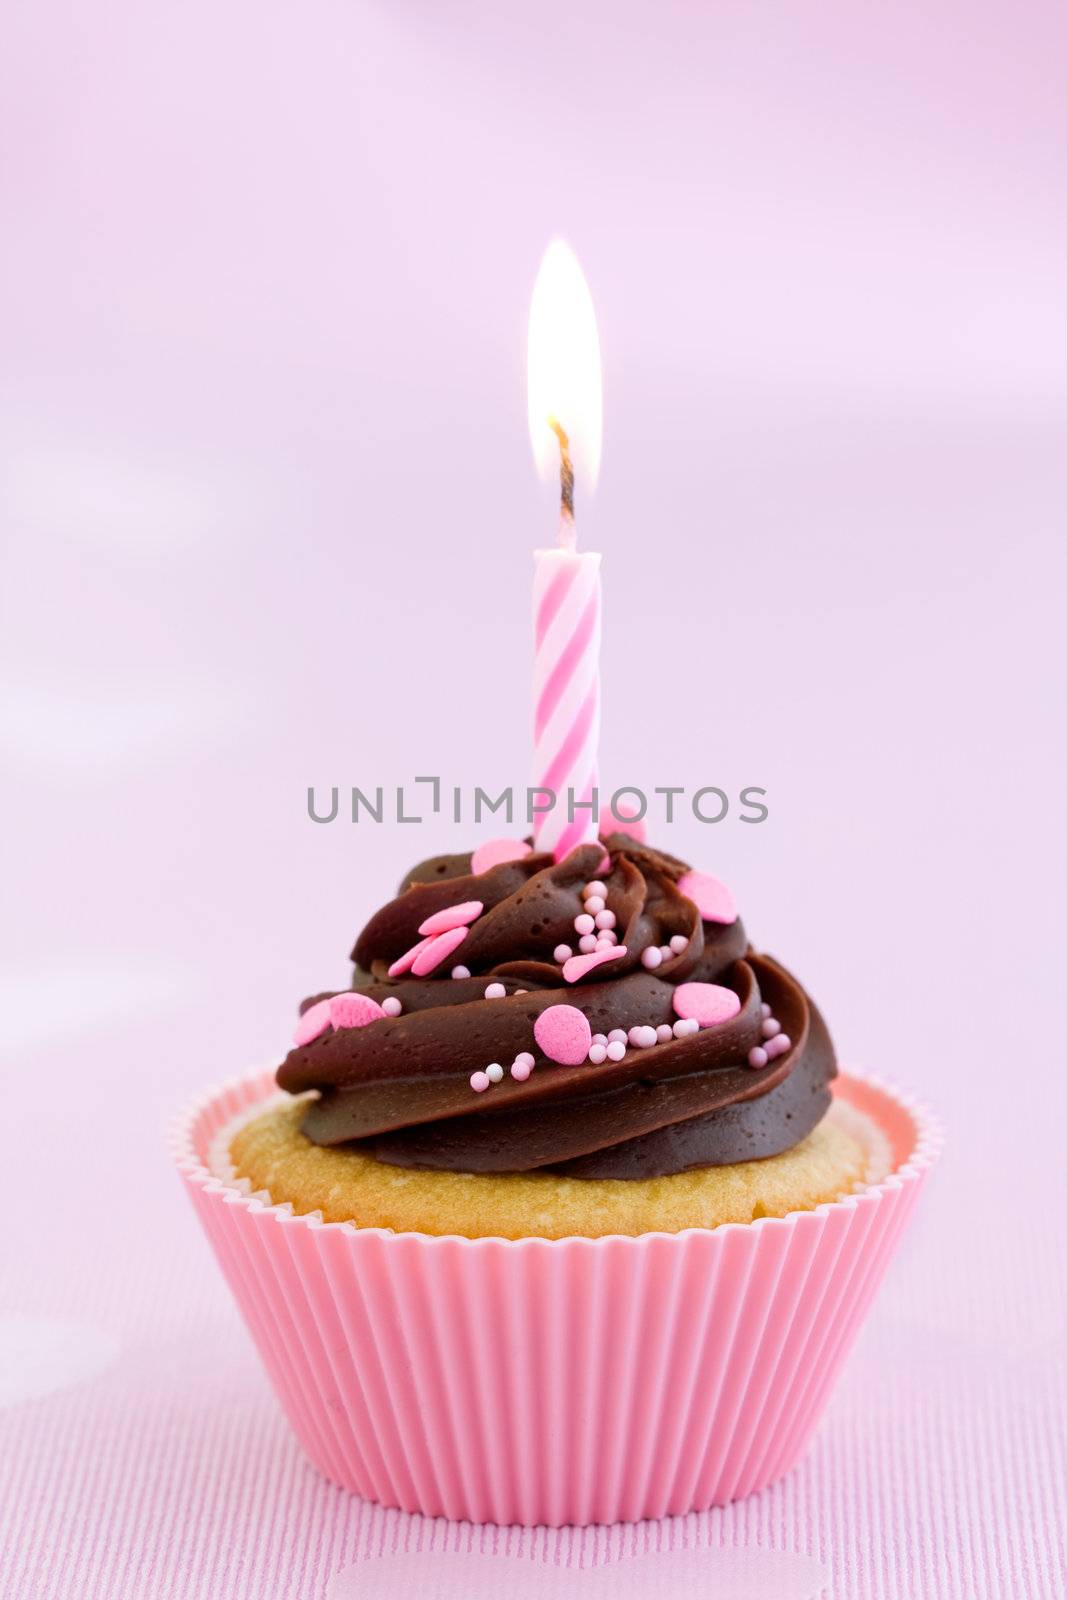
x: 564, y: 402
x: 566, y: 695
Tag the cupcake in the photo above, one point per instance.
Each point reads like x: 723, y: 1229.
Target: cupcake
x: 562, y: 1212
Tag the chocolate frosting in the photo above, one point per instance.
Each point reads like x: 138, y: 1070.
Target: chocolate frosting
x: 400, y: 1086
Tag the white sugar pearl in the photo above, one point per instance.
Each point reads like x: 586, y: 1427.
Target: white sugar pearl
x: 679, y: 943
x: 494, y: 1072
x: 617, y: 1036
x: 461, y: 972
x: 587, y: 944
x: 596, y: 887
x: 520, y: 1071
x: 651, y: 958
x: 392, y: 1006
x: 495, y: 991
x: 605, y: 919
x: 524, y: 1059
x: 562, y: 953
x: 664, y: 1032
x: 599, y: 1038
x: 594, y: 904
x: 584, y: 924
x: 616, y: 1050
x: 598, y: 1054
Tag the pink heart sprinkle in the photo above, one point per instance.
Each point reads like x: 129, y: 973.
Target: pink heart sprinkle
x: 564, y: 1034
x: 436, y: 950
x: 711, y: 897
x: 316, y: 1020
x: 578, y: 966
x: 354, y: 1010
x: 609, y: 824
x: 706, y: 1003
x: 405, y: 962
x: 494, y: 852
x: 451, y: 917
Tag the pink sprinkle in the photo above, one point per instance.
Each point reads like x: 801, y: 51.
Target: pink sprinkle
x: 596, y: 887
x: 578, y: 966
x: 494, y: 852
x: 769, y: 1027
x: 354, y: 1010
x: 479, y: 1082
x: 452, y: 917
x: 664, y: 1032
x: 616, y: 1050
x: 520, y: 1071
x: 679, y: 943
x: 705, y: 1003
x: 651, y: 958
x: 392, y: 1006
x: 564, y: 1034
x: 605, y: 919
x: 584, y: 923
x: 712, y: 899
x: 562, y: 953
x: 757, y: 1056
x: 461, y: 972
x: 316, y: 1020
x: 594, y: 904
x: 598, y: 1054
x: 437, y: 949
x: 495, y: 991
x: 587, y: 943
x: 405, y: 962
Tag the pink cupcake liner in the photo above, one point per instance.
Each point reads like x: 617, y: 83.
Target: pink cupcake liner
x: 543, y: 1381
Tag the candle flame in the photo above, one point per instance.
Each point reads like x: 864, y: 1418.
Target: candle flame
x: 564, y: 398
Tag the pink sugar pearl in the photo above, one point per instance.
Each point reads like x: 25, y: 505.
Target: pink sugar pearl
x: 765, y: 1009
x: 779, y: 1045
x: 520, y: 1071
x: 643, y: 1037
x: 616, y: 1050
x: 770, y: 1026
x: 392, y: 1006
x: 596, y: 887
x: 617, y: 1036
x: 594, y: 904
x: 605, y: 919
x: 705, y: 1003
x: 564, y: 1035
x: 598, y: 1054
x: 664, y: 1032
x: 584, y: 923
x: 452, y: 917
x: 679, y: 943
x: 600, y: 1038
x: 461, y: 972
x: 562, y: 953
x: 525, y: 1059
x: 587, y: 943
x: 757, y: 1056
x: 651, y: 958
x: 495, y: 991
x: 479, y: 1082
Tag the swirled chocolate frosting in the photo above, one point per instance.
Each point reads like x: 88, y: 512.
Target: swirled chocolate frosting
x: 399, y: 1085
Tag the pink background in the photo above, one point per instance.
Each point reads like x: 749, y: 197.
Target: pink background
x: 269, y: 505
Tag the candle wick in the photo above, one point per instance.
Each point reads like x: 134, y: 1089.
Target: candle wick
x: 566, y: 484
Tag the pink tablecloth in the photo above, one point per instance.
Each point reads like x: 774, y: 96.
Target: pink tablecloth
x: 142, y: 1455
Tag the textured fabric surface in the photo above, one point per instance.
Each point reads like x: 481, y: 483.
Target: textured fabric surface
x: 149, y: 1459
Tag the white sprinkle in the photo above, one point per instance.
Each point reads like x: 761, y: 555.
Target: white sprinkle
x: 494, y: 1072
x: 596, y: 887
x: 617, y: 1036
x: 679, y: 943
x: 587, y: 944
x: 651, y: 958
x: 598, y: 1053
x: 495, y: 991
x: 664, y: 1032
x: 461, y: 972
x: 584, y: 923
x: 616, y: 1050
x: 392, y: 1006
x: 594, y: 904
x: 562, y: 953
x: 605, y: 919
